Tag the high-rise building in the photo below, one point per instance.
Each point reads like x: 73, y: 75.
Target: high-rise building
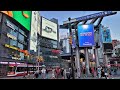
x: 48, y: 46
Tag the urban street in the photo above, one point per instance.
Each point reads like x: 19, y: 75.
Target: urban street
x: 59, y: 45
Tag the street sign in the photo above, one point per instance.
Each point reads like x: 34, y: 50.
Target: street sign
x: 88, y: 17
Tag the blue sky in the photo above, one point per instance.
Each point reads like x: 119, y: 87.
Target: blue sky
x: 113, y: 21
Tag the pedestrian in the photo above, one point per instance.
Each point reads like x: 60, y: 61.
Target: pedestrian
x: 53, y: 74
x: 62, y: 71
x: 93, y: 70
x: 68, y: 74
x: 99, y: 72
x: 47, y: 73
x: 24, y: 75
x: 102, y: 72
x: 43, y: 73
x: 36, y: 74
x: 84, y: 72
x: 106, y: 72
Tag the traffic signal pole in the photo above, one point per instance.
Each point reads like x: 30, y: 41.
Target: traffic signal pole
x: 77, y: 55
x: 72, y: 58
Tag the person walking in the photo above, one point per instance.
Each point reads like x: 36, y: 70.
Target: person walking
x: 93, y: 71
x: 53, y: 74
x: 99, y: 72
x: 102, y: 73
x: 43, y: 73
x: 62, y: 73
x: 36, y: 74
x: 106, y: 72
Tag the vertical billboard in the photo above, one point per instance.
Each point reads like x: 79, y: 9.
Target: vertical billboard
x: 86, y: 35
x: 49, y: 29
x: 33, y: 32
x: 106, y: 36
x: 23, y: 17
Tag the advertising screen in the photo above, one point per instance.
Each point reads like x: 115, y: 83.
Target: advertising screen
x: 49, y: 29
x: 106, y: 36
x: 34, y: 28
x: 23, y: 17
x: 86, y: 35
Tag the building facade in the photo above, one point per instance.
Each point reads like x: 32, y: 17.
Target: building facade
x: 48, y: 42
x: 14, y: 40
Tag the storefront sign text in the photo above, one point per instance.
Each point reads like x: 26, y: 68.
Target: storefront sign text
x: 11, y: 36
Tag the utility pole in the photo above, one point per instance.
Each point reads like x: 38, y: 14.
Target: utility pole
x: 72, y: 58
x: 77, y: 54
x: 87, y: 61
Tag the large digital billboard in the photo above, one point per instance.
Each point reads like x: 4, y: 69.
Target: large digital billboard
x: 86, y: 35
x: 105, y: 35
x: 23, y: 17
x: 49, y: 29
x: 34, y: 30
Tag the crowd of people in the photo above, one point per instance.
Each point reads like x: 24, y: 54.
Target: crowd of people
x: 62, y: 73
x: 51, y: 73
x: 100, y: 72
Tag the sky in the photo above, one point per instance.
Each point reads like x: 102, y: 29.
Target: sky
x: 113, y: 21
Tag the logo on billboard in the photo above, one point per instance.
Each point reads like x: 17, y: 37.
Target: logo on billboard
x: 49, y: 30
x: 10, y: 13
x: 23, y: 17
x: 86, y: 35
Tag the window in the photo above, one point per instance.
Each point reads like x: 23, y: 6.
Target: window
x: 22, y: 56
x: 21, y: 69
x: 22, y: 32
x: 13, y: 42
x: 11, y: 69
x: 12, y: 32
x: 21, y: 37
x: 20, y: 46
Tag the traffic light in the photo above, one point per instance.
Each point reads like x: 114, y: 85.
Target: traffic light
x: 70, y: 40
